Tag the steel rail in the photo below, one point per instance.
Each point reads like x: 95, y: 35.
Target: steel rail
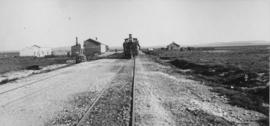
x: 132, y: 116
x: 133, y: 95
x: 36, y: 81
x: 87, y: 113
x: 83, y: 119
x: 28, y: 84
x: 132, y: 112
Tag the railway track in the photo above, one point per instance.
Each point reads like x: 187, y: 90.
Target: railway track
x: 132, y: 120
x: 28, y: 84
x: 85, y: 116
x: 25, y: 85
x: 34, y: 82
x: 126, y: 89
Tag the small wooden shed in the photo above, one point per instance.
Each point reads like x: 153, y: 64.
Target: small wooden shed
x: 173, y: 46
x: 93, y: 47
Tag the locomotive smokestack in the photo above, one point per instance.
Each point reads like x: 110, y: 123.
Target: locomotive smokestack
x: 130, y: 35
x: 96, y: 38
x: 77, y: 41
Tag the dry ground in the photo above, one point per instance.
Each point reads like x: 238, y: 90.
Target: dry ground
x: 166, y: 98
x: 49, y: 97
x: 163, y: 98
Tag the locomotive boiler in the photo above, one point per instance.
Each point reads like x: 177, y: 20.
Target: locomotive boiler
x: 131, y: 47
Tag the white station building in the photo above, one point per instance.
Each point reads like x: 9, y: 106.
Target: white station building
x: 36, y: 51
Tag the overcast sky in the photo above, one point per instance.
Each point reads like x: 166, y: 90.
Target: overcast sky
x: 54, y: 23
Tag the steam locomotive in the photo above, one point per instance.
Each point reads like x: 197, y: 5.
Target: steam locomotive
x: 131, y: 47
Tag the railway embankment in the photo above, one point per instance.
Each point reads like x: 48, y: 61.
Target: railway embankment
x: 168, y: 96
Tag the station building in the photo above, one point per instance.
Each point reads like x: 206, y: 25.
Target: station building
x: 36, y: 51
x: 173, y: 46
x: 93, y: 47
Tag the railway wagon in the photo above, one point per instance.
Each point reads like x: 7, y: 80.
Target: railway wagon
x: 131, y: 47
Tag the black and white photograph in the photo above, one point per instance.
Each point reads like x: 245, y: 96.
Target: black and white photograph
x: 134, y: 62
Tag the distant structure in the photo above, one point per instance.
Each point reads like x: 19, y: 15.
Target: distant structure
x: 94, y: 47
x: 173, y: 46
x: 36, y: 51
x: 76, y: 49
x: 9, y: 54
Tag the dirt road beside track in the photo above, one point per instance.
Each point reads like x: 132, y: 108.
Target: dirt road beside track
x: 44, y: 98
